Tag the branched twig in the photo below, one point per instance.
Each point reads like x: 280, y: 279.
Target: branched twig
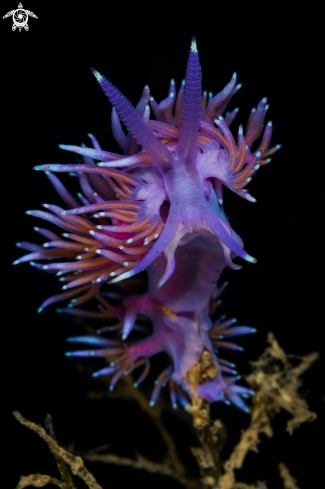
x: 172, y: 465
x: 75, y: 464
x: 142, y: 463
x: 288, y: 481
x: 276, y: 387
x: 62, y: 466
x: 39, y: 480
x: 206, y: 456
x: 275, y: 382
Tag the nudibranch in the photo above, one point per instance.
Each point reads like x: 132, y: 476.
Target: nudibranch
x: 157, y: 207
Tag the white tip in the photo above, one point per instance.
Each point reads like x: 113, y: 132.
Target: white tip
x: 172, y: 81
x: 239, y: 86
x: 151, y: 99
x: 234, y: 75
x: 45, y: 245
x: 270, y: 123
x: 98, y: 251
x: 264, y: 100
x: 253, y: 110
x: 97, y: 74
x: 125, y: 263
x: 258, y: 154
x: 91, y: 232
x: 172, y: 94
x: 193, y: 45
x: 257, y: 166
x: 129, y: 240
x: 267, y: 106
x: 240, y: 130
x: 278, y: 146
x: 121, y: 247
x: 248, y: 179
x: 146, y: 87
x: 183, y: 83
x: 46, y: 206
x: 79, y: 257
x: 251, y: 259
x: 99, y: 227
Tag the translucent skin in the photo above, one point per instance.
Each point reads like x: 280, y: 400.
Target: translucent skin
x: 159, y: 208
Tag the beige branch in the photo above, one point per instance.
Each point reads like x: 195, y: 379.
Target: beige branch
x: 276, y: 388
x: 288, y: 481
x: 39, y: 480
x: 276, y: 384
x: 144, y: 464
x: 126, y: 391
x: 76, y: 464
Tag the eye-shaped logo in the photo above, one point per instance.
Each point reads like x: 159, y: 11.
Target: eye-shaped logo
x: 20, y: 18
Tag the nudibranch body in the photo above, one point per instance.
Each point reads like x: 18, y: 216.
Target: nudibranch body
x: 158, y: 207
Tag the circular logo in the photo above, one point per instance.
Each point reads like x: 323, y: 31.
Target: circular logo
x: 20, y: 18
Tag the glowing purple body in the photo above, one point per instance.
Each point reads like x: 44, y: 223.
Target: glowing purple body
x: 159, y: 208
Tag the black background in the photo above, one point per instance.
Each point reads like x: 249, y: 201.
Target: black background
x: 49, y: 96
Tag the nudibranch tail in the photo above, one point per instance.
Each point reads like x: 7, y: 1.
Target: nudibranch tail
x: 125, y: 357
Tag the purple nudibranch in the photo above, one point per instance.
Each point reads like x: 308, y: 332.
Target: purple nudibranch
x: 157, y: 207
